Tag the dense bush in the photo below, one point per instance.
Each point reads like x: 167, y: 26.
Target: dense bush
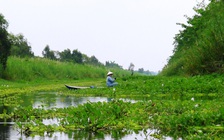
x: 199, y: 46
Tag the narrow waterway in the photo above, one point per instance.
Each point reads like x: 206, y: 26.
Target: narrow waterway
x: 53, y: 100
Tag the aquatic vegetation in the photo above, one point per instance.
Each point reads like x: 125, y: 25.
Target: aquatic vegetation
x: 180, y: 107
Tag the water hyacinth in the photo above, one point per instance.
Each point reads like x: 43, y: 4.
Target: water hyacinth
x: 185, y: 110
x: 196, y: 105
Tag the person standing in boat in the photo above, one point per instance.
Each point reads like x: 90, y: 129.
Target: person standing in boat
x: 110, y: 81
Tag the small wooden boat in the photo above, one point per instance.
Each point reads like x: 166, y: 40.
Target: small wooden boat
x: 77, y: 87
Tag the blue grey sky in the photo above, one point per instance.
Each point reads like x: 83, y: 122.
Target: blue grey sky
x: 124, y: 31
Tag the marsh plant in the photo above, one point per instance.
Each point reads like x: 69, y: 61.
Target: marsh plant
x: 180, y: 107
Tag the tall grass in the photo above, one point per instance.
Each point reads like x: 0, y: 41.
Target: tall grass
x: 40, y: 68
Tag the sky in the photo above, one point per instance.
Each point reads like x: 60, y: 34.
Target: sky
x: 124, y: 31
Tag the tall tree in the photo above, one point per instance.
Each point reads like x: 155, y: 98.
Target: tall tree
x: 112, y: 64
x: 77, y: 56
x: 20, y: 46
x: 94, y: 60
x: 5, y: 44
x: 47, y: 53
x: 91, y: 60
x: 66, y: 55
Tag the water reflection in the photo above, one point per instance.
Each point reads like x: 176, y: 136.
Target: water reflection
x: 4, y: 131
x: 53, y: 100
x: 12, y: 134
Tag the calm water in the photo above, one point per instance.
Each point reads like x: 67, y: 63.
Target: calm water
x: 54, y: 100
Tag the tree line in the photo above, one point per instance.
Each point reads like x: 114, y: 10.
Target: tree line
x: 199, y: 46
x: 17, y: 45
x: 76, y: 56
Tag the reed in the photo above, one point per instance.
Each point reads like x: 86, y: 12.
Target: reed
x: 29, y: 69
